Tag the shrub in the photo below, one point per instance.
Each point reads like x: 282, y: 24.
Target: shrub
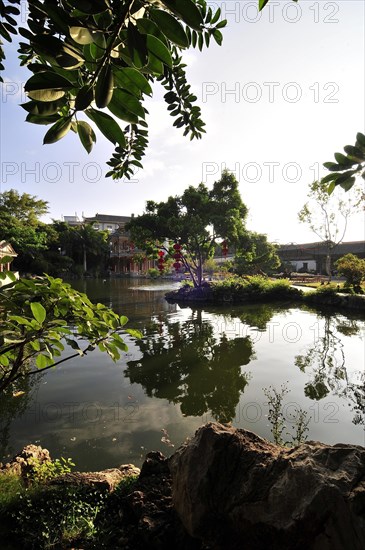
x: 153, y: 272
x: 353, y: 268
x: 255, y: 287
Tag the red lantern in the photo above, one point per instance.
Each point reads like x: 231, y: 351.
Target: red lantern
x: 177, y: 265
x: 160, y: 253
x: 177, y: 246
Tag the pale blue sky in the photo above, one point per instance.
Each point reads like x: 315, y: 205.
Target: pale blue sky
x: 280, y: 96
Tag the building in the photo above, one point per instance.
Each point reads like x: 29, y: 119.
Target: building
x: 8, y: 252
x: 108, y: 222
x: 125, y: 258
x: 311, y: 257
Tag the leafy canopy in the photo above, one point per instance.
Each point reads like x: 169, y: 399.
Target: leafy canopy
x: 196, y: 219
x: 86, y: 56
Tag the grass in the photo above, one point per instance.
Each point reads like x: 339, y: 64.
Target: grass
x: 36, y: 515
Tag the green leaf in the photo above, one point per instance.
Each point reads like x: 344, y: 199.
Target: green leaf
x: 129, y: 102
x: 332, y: 166
x: 330, y: 177
x: 188, y: 11
x: 361, y: 139
x: 46, y: 95
x: 331, y: 187
x: 134, y: 333
x: 107, y: 126
x: 343, y: 160
x: 120, y: 110
x: 35, y: 119
x: 42, y: 361
x: 137, y: 47
x: 86, y: 135
x: 133, y: 81
x: 84, y: 97
x: 354, y: 153
x: 147, y: 26
x: 216, y: 16
x: 262, y: 4
x: 218, y: 37
x: 57, y: 131
x: 347, y: 184
x: 39, y: 313
x: 43, y: 108
x: 104, y: 87
x: 172, y: 29
x: 159, y: 50
x: 123, y: 320
x: 47, y: 80
x: 81, y: 35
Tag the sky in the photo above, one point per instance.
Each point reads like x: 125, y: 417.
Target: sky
x: 283, y: 93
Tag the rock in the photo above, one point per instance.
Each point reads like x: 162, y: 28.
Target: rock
x: 234, y: 490
x: 145, y: 516
x: 23, y: 463
x: 104, y: 480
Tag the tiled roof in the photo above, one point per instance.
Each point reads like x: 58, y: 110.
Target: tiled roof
x: 104, y: 218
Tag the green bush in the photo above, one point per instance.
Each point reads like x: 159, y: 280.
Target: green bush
x: 153, y: 272
x: 254, y: 287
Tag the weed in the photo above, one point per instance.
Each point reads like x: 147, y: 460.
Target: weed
x: 276, y: 418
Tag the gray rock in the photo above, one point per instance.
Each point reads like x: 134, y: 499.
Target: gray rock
x: 235, y: 490
x: 23, y: 463
x: 103, y: 480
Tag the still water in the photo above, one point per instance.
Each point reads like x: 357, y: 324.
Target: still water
x: 193, y: 365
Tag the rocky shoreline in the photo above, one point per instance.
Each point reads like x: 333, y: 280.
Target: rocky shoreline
x: 227, y: 488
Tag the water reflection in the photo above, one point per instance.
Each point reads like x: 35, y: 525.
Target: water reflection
x: 14, y: 401
x: 325, y: 363
x: 189, y: 363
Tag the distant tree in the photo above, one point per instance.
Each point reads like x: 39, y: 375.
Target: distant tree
x: 353, y: 268
x: 87, y: 247
x: 21, y: 227
x: 327, y: 215
x: 195, y: 221
x: 254, y: 254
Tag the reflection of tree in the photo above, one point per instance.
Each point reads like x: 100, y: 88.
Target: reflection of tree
x: 186, y: 363
x: 327, y: 365
x: 14, y: 400
x: 254, y: 315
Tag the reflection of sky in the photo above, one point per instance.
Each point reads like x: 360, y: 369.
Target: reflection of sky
x: 88, y: 409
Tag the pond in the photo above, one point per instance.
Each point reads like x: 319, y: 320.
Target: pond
x: 192, y: 366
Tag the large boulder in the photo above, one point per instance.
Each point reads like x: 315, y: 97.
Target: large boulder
x: 235, y: 490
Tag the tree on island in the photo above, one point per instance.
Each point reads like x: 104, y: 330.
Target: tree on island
x: 188, y: 227
x: 255, y: 254
x: 327, y: 215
